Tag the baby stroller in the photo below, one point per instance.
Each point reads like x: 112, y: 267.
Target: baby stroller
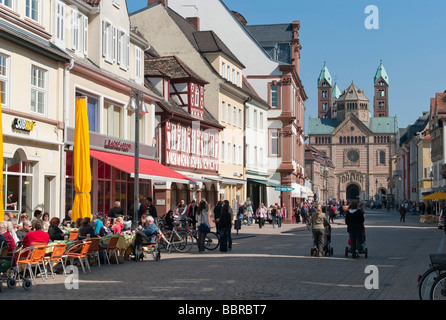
x: 328, y: 249
x: 363, y: 250
x: 8, y: 271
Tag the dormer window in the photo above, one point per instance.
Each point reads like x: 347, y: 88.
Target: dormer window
x: 197, y: 96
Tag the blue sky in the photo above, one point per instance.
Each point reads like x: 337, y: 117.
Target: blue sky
x: 410, y: 41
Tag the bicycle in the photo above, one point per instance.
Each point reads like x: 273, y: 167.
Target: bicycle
x: 180, y: 240
x: 428, y: 279
x: 212, y: 240
x: 438, y: 289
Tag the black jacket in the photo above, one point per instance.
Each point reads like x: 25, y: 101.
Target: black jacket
x: 225, y: 219
x: 354, y: 219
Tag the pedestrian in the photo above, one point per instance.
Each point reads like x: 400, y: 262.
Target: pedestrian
x: 249, y: 214
x: 150, y: 208
x: 304, y: 213
x: 261, y: 214
x: 354, y: 219
x: 279, y: 216
x: 192, y: 214
x: 273, y: 212
x: 319, y: 222
x: 403, y: 213
x: 341, y: 210
x: 116, y: 211
x: 217, y: 212
x: 443, y: 215
x: 225, y: 224
x: 331, y: 213
x: 203, y: 225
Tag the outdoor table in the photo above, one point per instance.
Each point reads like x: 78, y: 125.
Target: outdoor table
x: 123, y: 244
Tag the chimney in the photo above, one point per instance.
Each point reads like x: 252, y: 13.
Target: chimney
x: 195, y: 21
x: 150, y: 2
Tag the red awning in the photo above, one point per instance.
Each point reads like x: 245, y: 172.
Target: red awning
x: 148, y: 169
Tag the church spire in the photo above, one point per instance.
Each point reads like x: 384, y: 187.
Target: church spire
x: 324, y: 74
x: 381, y: 100
x: 381, y: 73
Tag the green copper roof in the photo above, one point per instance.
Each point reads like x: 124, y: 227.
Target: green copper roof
x: 325, y: 126
x: 325, y: 74
x: 336, y: 92
x: 381, y: 72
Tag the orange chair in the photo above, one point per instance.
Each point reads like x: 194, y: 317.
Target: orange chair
x: 82, y: 255
x: 24, y: 258
x: 94, y: 248
x: 56, y: 257
x: 73, y: 235
x: 111, y: 247
x: 37, y: 259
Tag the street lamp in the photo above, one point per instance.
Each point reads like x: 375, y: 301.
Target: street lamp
x: 135, y: 106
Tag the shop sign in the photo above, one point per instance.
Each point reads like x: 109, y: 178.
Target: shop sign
x: 23, y: 125
x: 117, y: 145
x: 283, y: 189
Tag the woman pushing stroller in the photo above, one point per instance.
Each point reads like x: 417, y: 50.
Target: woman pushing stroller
x: 354, y: 219
x: 319, y: 222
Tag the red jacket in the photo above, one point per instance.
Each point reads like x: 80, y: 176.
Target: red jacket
x: 35, y: 236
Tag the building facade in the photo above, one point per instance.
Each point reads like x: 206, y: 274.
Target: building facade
x: 360, y: 146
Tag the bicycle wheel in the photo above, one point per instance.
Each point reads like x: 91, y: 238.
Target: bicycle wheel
x: 182, y: 241
x: 426, y: 281
x: 438, y: 290
x: 212, y: 241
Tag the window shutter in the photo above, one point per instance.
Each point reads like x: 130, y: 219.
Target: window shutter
x: 127, y: 53
x: 104, y: 39
x: 85, y: 20
x: 114, y: 42
x: 75, y: 29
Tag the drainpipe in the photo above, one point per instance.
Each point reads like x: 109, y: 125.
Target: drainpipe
x: 63, y: 168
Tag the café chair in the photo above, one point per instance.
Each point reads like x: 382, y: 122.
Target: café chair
x: 57, y: 257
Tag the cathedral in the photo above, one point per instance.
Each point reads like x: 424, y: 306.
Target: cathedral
x: 359, y: 143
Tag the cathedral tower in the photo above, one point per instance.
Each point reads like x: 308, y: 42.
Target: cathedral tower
x: 325, y: 91
x: 381, y: 101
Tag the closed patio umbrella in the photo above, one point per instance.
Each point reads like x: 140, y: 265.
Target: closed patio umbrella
x: 81, y: 162
x: 2, y: 209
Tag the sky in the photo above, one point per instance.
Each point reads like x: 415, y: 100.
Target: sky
x: 408, y: 36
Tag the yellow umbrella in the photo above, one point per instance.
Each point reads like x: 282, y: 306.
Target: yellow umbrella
x: 435, y: 196
x: 81, y: 162
x: 2, y: 211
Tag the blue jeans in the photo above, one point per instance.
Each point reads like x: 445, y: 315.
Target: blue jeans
x: 225, y: 239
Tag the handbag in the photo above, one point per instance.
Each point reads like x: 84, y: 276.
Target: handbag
x: 203, y: 228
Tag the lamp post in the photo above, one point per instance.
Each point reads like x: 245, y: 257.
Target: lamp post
x: 134, y: 105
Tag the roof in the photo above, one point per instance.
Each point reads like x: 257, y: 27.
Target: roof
x: 311, y: 153
x: 353, y: 93
x: 336, y: 93
x: 171, y: 66
x: 325, y: 74
x: 381, y: 73
x: 377, y: 125
x: 209, y: 42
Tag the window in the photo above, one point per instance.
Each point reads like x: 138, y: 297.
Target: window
x: 197, y: 96
x: 211, y: 146
x: 92, y: 111
x: 138, y: 65
x: 60, y: 22
x: 255, y: 119
x: 108, y: 37
x: 38, y: 90
x: 229, y: 113
x: 4, y: 71
x: 240, y: 156
x: 173, y: 137
x: 223, y: 151
x: 229, y: 152
x: 382, y: 157
x: 183, y: 140
x: 234, y: 116
x: 194, y: 142
x: 8, y: 3
x: 223, y: 70
x: 223, y: 111
x: 112, y: 120
x: 247, y: 117
x: 123, y: 52
x: 238, y: 79
x: 261, y: 120
x: 234, y: 154
x: 79, y: 32
x: 240, y: 118
x: 33, y: 10
x: 274, y: 143
x: 274, y: 96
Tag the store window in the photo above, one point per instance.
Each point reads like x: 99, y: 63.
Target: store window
x: 17, y: 179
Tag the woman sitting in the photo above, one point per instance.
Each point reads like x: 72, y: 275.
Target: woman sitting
x: 118, y: 226
x: 86, y: 230
x: 54, y: 230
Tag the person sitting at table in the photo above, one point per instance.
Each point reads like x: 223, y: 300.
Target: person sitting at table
x: 67, y: 221
x: 26, y: 227
x: 97, y: 223
x: 37, y: 215
x: 169, y: 220
x: 105, y: 230
x: 6, y: 235
x: 118, y: 226
x: 54, y: 230
x: 23, y: 217
x: 46, y: 221
x: 86, y: 229
x: 143, y: 236
x: 38, y: 235
x: 143, y: 222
